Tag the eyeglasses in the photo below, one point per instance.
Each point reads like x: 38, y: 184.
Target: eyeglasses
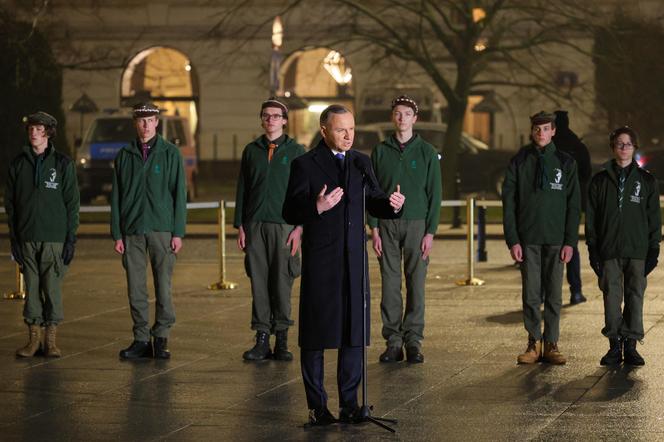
x: 268, y: 117
x: 623, y: 146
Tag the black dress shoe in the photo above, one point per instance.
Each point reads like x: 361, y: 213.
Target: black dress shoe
x: 350, y: 415
x: 137, y: 350
x: 392, y: 354
x: 161, y: 348
x: 414, y: 355
x: 577, y: 298
x: 321, y: 417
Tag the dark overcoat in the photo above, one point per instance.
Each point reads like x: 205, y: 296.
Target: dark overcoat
x: 333, y: 250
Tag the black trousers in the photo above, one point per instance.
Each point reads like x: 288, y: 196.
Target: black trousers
x: 349, y: 376
x: 574, y: 272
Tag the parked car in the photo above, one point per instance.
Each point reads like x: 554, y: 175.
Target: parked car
x: 481, y: 169
x: 108, y: 134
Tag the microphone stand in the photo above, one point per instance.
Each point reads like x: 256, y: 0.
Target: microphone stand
x: 365, y: 409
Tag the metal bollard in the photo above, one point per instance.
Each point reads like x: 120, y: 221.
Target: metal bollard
x: 20, y: 286
x: 222, y: 284
x: 481, y: 234
x: 470, y: 223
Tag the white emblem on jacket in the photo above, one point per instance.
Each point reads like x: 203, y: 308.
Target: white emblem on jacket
x: 51, y: 184
x: 636, y: 198
x: 559, y: 176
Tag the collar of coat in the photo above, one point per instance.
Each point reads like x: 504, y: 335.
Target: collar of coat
x: 29, y: 153
x: 609, y: 168
x: 262, y: 141
x: 133, y: 147
x: 396, y: 144
x: 322, y: 155
x: 548, y: 150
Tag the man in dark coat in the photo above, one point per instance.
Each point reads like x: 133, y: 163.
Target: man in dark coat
x: 325, y: 196
x: 567, y: 141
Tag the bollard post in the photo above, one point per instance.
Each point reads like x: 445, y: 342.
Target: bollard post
x: 470, y: 223
x: 19, y: 293
x: 222, y: 284
x: 481, y: 234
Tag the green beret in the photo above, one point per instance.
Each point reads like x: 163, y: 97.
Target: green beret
x: 42, y: 118
x: 145, y: 109
x: 542, y: 117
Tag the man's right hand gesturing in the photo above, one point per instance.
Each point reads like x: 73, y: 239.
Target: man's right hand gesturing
x: 326, y: 202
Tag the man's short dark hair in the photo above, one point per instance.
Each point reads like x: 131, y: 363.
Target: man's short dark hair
x: 332, y: 109
x: 613, y: 136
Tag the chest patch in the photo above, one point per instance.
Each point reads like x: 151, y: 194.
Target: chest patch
x: 635, y: 197
x: 51, y: 183
x: 413, y: 164
x: 157, y: 169
x: 284, y: 160
x: 557, y: 178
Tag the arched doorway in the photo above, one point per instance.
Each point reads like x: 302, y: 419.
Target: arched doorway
x: 166, y: 77
x: 314, y: 79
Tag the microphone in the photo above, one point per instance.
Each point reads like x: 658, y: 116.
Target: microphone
x: 364, y: 170
x: 361, y: 166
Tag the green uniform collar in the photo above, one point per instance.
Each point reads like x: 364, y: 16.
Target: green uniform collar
x: 392, y: 141
x: 135, y: 147
x: 32, y: 156
x: 262, y: 141
x: 548, y: 150
x: 612, y: 169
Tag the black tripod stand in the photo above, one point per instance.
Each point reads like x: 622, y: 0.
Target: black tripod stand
x: 365, y: 409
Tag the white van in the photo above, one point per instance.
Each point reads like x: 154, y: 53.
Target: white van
x: 107, y: 134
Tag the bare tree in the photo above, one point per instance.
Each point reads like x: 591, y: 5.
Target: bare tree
x: 468, y: 45
x: 462, y: 46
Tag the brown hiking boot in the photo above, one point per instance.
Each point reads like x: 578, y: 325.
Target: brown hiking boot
x: 34, y: 342
x: 552, y: 355
x: 51, y: 350
x: 532, y: 353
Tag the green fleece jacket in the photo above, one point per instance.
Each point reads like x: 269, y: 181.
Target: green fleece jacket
x: 261, y: 185
x: 41, y: 198
x: 626, y: 232
x: 148, y: 196
x: 541, y: 198
x: 417, y: 171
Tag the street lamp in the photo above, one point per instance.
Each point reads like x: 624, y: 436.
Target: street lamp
x: 335, y: 64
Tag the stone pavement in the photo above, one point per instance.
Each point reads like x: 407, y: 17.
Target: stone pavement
x: 469, y: 388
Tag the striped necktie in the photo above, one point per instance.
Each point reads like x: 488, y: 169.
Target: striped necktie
x: 146, y: 150
x: 621, y: 188
x: 270, y: 151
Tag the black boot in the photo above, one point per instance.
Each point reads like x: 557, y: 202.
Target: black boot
x: 137, y: 350
x: 614, y: 355
x: 261, y: 350
x: 161, y: 348
x: 577, y: 298
x: 632, y: 357
x: 281, y: 352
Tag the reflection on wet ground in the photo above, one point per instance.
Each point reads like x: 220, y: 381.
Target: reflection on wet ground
x: 469, y: 388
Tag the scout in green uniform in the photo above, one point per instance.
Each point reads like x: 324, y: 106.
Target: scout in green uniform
x: 148, y: 218
x: 270, y: 244
x: 405, y: 161
x: 42, y: 203
x: 623, y: 232
x: 541, y: 209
